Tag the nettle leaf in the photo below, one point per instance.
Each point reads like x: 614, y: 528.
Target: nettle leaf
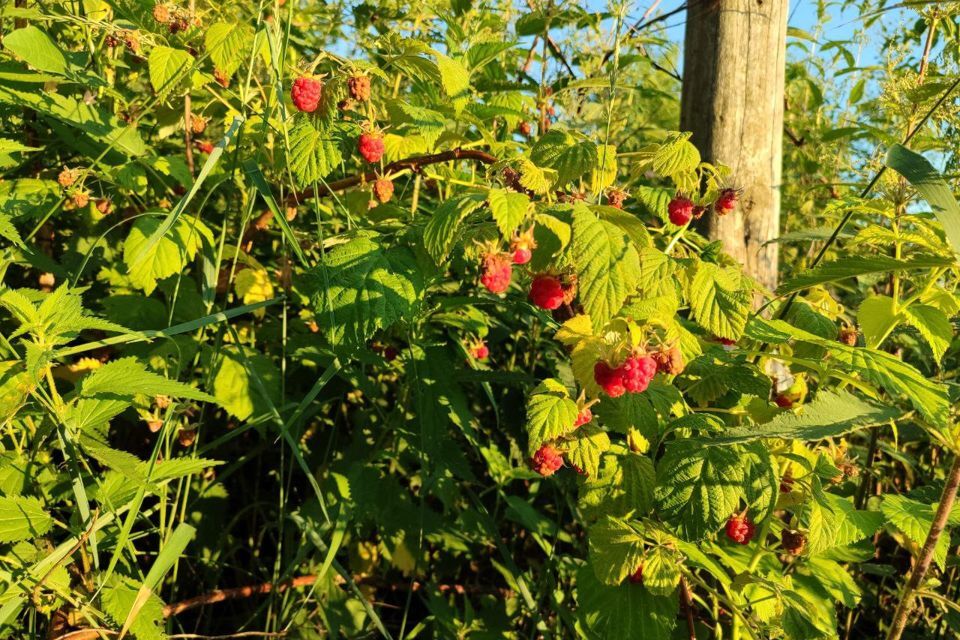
x: 569, y: 154
x: 443, y: 229
x: 509, y: 209
x: 832, y: 521
x: 455, y: 80
x: 607, y: 265
x: 698, y: 487
x: 934, y: 327
x: 719, y: 300
x: 931, y: 186
x: 118, y: 598
x: 365, y: 286
x: 829, y: 414
x: 616, y: 549
x: 914, y: 519
x: 228, y: 44
x: 625, y: 611
x: 167, y: 67
x: 855, y: 266
x: 314, y: 151
x: 127, y: 377
x: 169, y: 255
x: 22, y: 517
x: 584, y: 450
x: 551, y: 413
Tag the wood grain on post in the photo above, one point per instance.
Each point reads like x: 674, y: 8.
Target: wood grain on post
x: 733, y: 88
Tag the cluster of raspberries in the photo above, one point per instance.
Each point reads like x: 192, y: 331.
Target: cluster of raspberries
x: 681, y: 209
x: 497, y: 271
x: 633, y: 376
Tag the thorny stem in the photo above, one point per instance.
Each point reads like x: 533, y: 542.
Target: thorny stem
x: 947, y: 498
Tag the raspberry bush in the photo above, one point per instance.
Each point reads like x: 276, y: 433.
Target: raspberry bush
x: 321, y: 323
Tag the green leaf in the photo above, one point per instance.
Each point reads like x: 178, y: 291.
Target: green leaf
x: 22, y: 517
x: 455, y: 80
x: 832, y: 521
x: 625, y: 611
x: 698, y: 487
x: 168, y: 255
x: 227, y: 43
x: 914, y: 519
x: 616, y: 549
x: 584, y: 450
x: 37, y: 49
x: 607, y: 264
x: 126, y: 377
x: 675, y: 155
x: 118, y: 599
x: 235, y: 388
x: 551, y: 413
x: 443, y: 229
x: 314, y: 151
x: 855, y: 266
x: 931, y: 186
x: 933, y: 325
x: 877, y: 318
x: 829, y: 414
x: 570, y: 155
x: 661, y: 571
x: 719, y: 300
x: 509, y: 209
x: 167, y: 66
x: 624, y: 487
x: 365, y: 286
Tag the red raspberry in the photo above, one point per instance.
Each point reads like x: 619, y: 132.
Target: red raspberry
x: 522, y: 247
x: 497, y: 271
x: 479, y: 351
x: 205, y: 146
x: 740, y: 529
x: 726, y: 202
x: 680, y: 210
x: 638, y: 371
x: 610, y: 380
x: 525, y: 129
x: 305, y: 93
x: 383, y: 189
x: 547, y: 460
x: 783, y: 401
x: 637, y: 576
x: 546, y: 292
x: 583, y: 417
x: 727, y: 342
x: 371, y: 146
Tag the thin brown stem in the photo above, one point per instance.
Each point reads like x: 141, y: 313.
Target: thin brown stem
x: 413, y: 164
x: 687, y: 603
x: 947, y: 498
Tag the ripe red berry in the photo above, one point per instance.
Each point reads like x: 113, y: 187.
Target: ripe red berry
x: 497, y: 271
x: 546, y: 292
x: 383, y: 189
x: 727, y: 342
x: 637, y: 576
x: 522, y: 247
x: 740, y: 529
x: 638, y: 371
x: 305, y: 93
x: 371, y: 146
x: 610, y: 379
x: 784, y: 402
x: 479, y: 350
x: 726, y: 202
x: 547, y: 460
x: 583, y: 417
x: 680, y: 210
x: 205, y: 146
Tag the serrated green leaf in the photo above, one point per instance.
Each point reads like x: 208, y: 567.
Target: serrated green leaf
x: 719, y: 300
x: 661, y: 571
x: 551, y: 413
x: 227, y: 43
x: 914, y: 519
x: 571, y: 156
x: 509, y: 210
x: 443, y: 229
x: 616, y: 549
x: 624, y: 611
x: 832, y: 521
x: 933, y: 325
x: 931, y: 186
x: 698, y: 487
x: 855, y: 266
x: 167, y: 66
x: 36, y: 48
x: 583, y: 451
x: 22, y: 517
x: 607, y: 265
x: 124, y: 378
x: 234, y: 385
x: 168, y: 255
x: 455, y: 80
x: 314, y: 151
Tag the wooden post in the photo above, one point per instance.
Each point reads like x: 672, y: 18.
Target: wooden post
x: 733, y: 91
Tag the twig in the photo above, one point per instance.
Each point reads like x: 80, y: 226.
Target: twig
x: 238, y: 592
x: 947, y: 499
x: 413, y: 163
x: 687, y: 607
